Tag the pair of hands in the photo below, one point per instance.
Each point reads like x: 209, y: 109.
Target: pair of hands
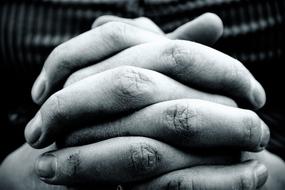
x: 184, y: 142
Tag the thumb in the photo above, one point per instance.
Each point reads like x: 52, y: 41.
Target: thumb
x: 205, y: 29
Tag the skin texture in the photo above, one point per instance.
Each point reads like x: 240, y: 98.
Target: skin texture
x: 111, y: 41
x: 18, y: 176
x: 179, y: 123
x: 247, y: 170
x: 89, y: 99
x: 86, y: 100
x: 185, y: 61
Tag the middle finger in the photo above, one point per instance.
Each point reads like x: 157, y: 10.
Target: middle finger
x: 187, y: 122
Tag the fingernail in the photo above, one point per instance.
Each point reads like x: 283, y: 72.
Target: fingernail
x: 33, y: 130
x: 39, y: 88
x: 259, y: 97
x: 261, y: 174
x: 46, y: 166
x: 265, y: 135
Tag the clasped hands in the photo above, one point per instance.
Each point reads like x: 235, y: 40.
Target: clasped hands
x: 126, y: 104
x: 140, y: 105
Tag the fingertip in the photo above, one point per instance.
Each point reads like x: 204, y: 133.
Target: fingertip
x: 45, y: 166
x: 253, y: 174
x: 263, y: 140
x: 33, y: 130
x: 261, y: 175
x: 205, y: 29
x: 35, y: 134
x: 39, y: 89
x: 215, y: 20
x: 215, y: 23
x: 265, y: 135
x: 258, y: 95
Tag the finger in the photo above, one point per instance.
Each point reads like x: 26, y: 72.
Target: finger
x: 106, y: 40
x: 193, y: 64
x: 118, y: 160
x: 187, y: 123
x: 104, y: 95
x: 86, y: 49
x: 205, y: 29
x: 141, y: 22
x: 248, y: 176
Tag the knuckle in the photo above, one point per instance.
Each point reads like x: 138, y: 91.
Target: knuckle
x: 115, y: 31
x: 182, y: 120
x: 70, y: 165
x: 175, y: 55
x: 132, y: 84
x: 144, y: 158
x: 179, y: 184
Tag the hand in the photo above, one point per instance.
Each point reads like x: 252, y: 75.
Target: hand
x: 66, y: 59
x: 103, y: 141
x: 271, y: 114
x: 106, y: 94
x: 217, y: 71
x: 138, y: 158
x: 27, y: 176
x: 23, y: 176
